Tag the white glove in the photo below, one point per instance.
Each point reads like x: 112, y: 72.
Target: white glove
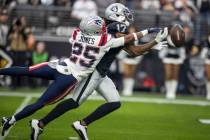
x: 162, y: 35
x: 160, y: 45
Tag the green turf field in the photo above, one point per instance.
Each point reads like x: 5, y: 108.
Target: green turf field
x: 134, y: 121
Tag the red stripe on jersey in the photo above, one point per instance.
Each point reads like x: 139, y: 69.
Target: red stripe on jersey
x: 101, y: 40
x: 105, y: 40
x: 104, y: 35
x: 75, y: 33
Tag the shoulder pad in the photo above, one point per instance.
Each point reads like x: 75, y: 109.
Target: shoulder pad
x: 115, y: 27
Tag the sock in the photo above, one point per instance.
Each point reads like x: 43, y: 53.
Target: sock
x: 13, y: 120
x: 168, y: 88
x: 208, y: 91
x: 59, y: 110
x: 128, y: 84
x: 101, y: 111
x: 173, y: 88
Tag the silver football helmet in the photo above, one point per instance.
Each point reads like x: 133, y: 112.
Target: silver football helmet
x: 92, y: 25
x: 118, y: 12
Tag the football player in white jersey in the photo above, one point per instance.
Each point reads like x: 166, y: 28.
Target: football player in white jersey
x: 89, y: 44
x: 117, y: 16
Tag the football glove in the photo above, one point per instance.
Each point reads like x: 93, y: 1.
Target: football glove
x: 160, y: 45
x: 162, y: 35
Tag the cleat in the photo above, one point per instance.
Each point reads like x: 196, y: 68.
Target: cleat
x: 5, y: 125
x: 36, y: 130
x: 81, y: 130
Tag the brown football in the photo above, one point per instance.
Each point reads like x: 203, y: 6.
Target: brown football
x: 176, y: 36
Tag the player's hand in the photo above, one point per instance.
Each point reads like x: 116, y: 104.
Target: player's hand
x: 154, y: 30
x: 162, y: 35
x: 160, y: 45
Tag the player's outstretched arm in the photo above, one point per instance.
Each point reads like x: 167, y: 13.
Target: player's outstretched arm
x: 136, y: 36
x: 141, y: 49
x: 124, y: 40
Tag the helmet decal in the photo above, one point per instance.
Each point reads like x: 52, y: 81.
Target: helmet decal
x: 92, y: 25
x: 114, y: 8
x: 120, y: 13
x: 98, y: 22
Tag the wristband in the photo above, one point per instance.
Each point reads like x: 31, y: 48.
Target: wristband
x: 135, y: 37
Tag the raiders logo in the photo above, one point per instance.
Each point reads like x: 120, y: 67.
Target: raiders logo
x: 114, y: 8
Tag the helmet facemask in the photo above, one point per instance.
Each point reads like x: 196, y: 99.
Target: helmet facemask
x: 120, y: 13
x: 128, y: 16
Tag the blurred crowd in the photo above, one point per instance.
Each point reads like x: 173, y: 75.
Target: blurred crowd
x: 18, y: 45
x: 192, y: 12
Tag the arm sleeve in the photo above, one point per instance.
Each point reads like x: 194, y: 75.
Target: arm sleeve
x: 116, y: 42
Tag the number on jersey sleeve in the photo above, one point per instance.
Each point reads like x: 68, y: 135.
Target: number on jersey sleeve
x: 115, y: 27
x: 121, y: 28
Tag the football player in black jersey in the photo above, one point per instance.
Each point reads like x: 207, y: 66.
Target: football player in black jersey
x: 118, y: 18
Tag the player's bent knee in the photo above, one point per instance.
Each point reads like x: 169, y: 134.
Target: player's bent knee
x: 115, y: 105
x: 74, y: 103
x: 69, y: 103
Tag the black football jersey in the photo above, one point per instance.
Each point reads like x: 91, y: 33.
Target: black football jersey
x: 105, y: 63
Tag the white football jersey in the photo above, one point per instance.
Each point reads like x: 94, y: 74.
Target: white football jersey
x: 86, y: 53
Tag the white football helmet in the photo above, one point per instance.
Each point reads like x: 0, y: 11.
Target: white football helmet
x: 118, y: 12
x: 92, y: 25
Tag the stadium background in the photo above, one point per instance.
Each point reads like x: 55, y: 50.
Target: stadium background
x: 52, y: 21
x: 146, y: 115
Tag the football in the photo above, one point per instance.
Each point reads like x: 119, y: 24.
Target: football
x: 176, y: 37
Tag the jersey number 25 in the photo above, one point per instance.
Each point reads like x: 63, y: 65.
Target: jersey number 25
x: 89, y: 54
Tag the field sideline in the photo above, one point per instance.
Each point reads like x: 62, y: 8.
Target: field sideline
x: 140, y: 118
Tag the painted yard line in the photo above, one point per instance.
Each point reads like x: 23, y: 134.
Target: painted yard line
x: 126, y: 99
x: 26, y: 100
x: 18, y: 94
x: 158, y: 101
